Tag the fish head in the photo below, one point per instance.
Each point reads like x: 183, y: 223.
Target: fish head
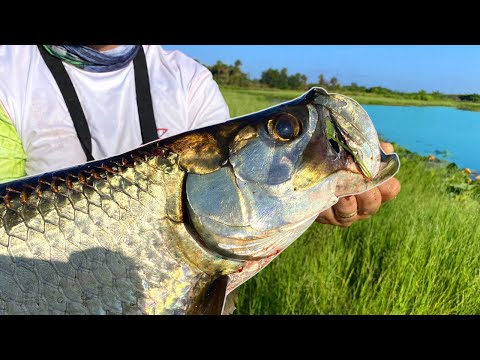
x: 275, y: 170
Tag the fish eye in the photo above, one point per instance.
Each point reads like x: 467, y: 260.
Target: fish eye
x: 283, y: 127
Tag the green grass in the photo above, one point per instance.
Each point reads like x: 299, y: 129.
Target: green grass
x: 419, y: 255
x: 363, y: 98
x: 373, y: 99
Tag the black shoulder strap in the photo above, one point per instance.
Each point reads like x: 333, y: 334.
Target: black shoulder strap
x: 71, y: 99
x: 142, y: 87
x: 144, y: 98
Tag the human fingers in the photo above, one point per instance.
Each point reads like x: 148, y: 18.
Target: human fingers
x: 343, y: 213
x: 346, y: 210
x: 361, y: 206
x: 369, y: 202
x: 387, y: 147
x: 389, y: 189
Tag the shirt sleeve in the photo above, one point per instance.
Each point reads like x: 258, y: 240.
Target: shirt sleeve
x: 12, y: 155
x: 205, y: 103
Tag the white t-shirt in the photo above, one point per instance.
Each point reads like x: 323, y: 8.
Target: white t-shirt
x: 184, y: 97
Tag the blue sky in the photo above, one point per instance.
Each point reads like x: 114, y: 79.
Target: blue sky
x: 452, y: 69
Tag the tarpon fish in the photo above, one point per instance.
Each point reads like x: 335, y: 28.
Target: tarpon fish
x: 174, y: 226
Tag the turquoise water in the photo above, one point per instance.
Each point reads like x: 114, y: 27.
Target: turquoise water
x: 445, y: 132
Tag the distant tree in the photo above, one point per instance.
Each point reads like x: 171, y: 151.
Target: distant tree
x: 303, y: 80
x: 322, y: 81
x: 220, y: 72
x: 379, y: 90
x: 437, y: 95
x: 281, y: 80
x: 229, y: 75
x: 334, y: 82
x: 355, y: 87
x: 470, y: 97
x: 422, y: 95
x: 297, y: 81
x: 270, y: 77
x: 237, y: 77
x: 233, y: 75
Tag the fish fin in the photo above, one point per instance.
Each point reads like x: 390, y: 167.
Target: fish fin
x: 230, y: 302
x: 212, y: 300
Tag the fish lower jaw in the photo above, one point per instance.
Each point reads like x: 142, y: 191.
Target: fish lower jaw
x: 248, y: 244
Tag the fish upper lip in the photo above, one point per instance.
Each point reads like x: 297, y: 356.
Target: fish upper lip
x: 356, y: 133
x: 360, y: 162
x: 365, y: 156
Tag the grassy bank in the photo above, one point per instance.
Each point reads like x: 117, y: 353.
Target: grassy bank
x: 362, y: 98
x: 419, y: 255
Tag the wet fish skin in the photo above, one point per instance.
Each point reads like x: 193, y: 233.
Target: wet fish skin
x: 172, y: 227
x: 105, y: 242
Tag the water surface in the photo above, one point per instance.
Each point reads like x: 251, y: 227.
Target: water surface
x: 447, y: 133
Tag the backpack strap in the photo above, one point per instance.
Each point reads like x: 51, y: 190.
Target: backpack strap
x: 142, y: 87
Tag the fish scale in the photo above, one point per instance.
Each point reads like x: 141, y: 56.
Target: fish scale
x: 174, y: 226
x: 99, y: 243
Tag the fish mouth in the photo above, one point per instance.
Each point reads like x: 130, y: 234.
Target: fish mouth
x: 364, y: 153
x: 349, y: 126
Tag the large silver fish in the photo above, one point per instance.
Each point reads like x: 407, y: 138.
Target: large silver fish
x: 174, y: 226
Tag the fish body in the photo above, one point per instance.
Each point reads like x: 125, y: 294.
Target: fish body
x: 174, y: 226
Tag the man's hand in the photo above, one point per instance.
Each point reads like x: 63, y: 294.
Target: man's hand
x: 357, y: 207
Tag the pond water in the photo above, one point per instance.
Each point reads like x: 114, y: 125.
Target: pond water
x: 447, y: 133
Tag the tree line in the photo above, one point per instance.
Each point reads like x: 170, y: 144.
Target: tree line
x: 232, y: 75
